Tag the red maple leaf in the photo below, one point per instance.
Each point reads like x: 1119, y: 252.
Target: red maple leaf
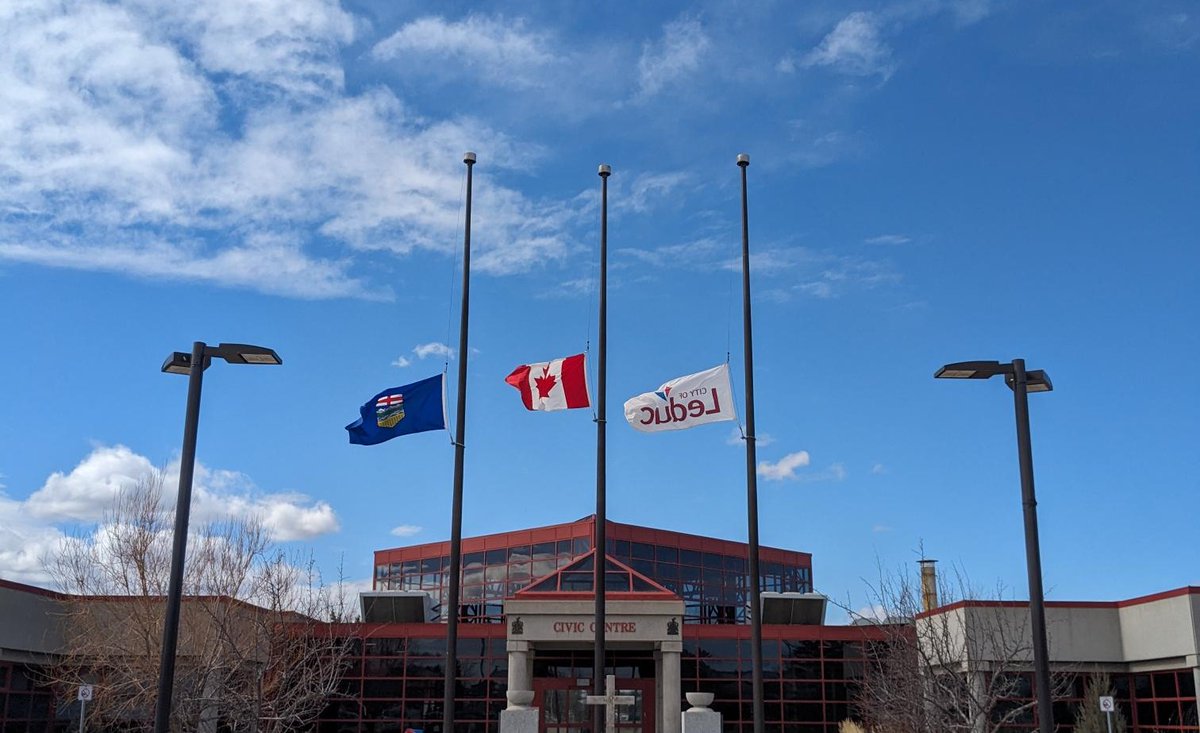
x: 545, y: 383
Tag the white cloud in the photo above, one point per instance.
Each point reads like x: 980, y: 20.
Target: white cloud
x: 873, y: 612
x: 402, y: 361
x: 502, y: 51
x: 24, y: 542
x: 89, y: 489
x: 889, y: 239
x: 881, y: 528
x: 854, y: 47
x: 141, y: 173
x: 434, y: 348
x: 406, y: 530
x: 31, y: 529
x: 784, y: 468
x: 878, y: 469
x: 678, y: 54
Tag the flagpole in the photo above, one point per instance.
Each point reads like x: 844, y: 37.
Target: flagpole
x: 743, y: 161
x: 601, y: 553
x: 454, y: 582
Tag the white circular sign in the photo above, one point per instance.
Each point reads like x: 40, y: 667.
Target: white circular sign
x: 85, y: 693
x: 1106, y: 704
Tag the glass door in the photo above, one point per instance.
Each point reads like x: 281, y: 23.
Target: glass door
x: 564, y: 708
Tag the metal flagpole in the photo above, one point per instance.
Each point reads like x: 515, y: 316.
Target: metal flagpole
x: 601, y: 553
x: 743, y: 161
x: 454, y: 581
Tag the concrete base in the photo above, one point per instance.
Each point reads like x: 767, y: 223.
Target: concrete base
x: 520, y: 721
x: 701, y: 720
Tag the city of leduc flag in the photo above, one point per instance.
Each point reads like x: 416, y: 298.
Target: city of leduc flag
x: 409, y: 408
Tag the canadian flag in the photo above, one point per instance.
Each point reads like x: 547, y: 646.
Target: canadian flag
x: 552, y: 385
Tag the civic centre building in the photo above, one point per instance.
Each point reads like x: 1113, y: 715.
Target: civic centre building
x: 677, y: 623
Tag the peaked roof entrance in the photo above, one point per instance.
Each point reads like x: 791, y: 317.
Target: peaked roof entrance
x: 577, y: 581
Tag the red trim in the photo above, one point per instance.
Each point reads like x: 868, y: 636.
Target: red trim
x: 1187, y: 590
x: 802, y: 632
x: 585, y: 528
x: 23, y: 588
x: 662, y: 594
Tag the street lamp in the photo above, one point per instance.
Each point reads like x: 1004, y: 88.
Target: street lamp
x: 181, y: 362
x: 1022, y: 382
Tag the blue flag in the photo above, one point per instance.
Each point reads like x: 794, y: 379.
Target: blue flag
x: 410, y: 408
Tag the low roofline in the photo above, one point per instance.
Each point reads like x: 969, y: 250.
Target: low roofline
x: 1187, y: 590
x: 24, y: 588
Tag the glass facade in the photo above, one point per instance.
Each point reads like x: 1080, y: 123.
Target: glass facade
x: 26, y: 706
x: 395, y: 681
x: 711, y: 576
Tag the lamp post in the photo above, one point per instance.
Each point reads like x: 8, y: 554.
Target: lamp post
x: 193, y: 365
x: 1022, y: 382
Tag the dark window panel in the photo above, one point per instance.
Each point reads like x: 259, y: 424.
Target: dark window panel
x: 1187, y: 684
x: 641, y: 551
x: 1164, y: 685
x: 689, y: 557
x: 666, y: 554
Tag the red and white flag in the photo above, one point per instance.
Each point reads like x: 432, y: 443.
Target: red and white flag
x: 552, y: 385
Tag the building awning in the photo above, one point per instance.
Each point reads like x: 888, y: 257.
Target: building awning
x: 396, y: 606
x: 793, y: 608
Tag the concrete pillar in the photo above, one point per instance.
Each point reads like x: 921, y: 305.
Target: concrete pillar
x: 520, y: 671
x: 672, y: 694
x: 658, y: 691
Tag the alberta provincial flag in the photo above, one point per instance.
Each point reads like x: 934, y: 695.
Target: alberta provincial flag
x: 683, y: 402
x: 409, y: 408
x: 560, y: 384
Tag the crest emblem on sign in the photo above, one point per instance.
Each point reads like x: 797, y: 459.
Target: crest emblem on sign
x: 389, y: 410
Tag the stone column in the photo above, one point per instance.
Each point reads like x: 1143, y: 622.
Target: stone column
x: 520, y: 673
x: 671, y: 689
x: 658, y: 692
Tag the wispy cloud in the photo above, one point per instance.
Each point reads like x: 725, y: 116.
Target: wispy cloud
x: 434, y: 349
x: 677, y: 55
x: 878, y: 469
x: 501, y: 50
x: 854, y: 47
x: 889, y: 239
x: 140, y: 174
x: 402, y: 362
x: 406, y: 530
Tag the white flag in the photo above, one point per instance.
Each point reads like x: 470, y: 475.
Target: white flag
x: 684, y: 402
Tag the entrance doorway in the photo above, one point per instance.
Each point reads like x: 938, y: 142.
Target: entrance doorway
x: 564, y: 708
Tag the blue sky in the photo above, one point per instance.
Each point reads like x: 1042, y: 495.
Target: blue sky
x: 931, y: 181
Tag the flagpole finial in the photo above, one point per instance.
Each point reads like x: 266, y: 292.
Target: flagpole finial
x: 743, y: 160
x: 605, y: 170
x: 469, y: 158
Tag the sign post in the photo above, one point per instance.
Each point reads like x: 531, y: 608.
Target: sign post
x: 1106, y: 706
x: 610, y: 700
x: 85, y: 694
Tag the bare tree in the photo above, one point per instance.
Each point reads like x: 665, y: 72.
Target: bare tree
x: 1088, y: 717
x: 963, y: 669
x: 254, y: 652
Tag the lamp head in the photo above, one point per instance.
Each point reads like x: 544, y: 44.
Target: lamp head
x: 247, y: 354
x: 180, y: 362
x: 972, y: 370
